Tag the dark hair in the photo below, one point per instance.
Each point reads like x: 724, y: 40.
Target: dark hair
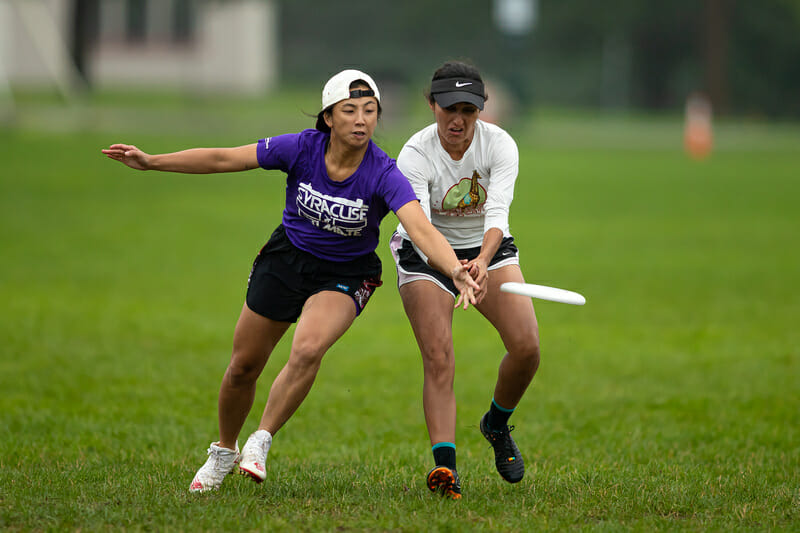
x: 455, y: 69
x: 322, y: 126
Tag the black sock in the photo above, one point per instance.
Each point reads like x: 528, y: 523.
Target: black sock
x: 498, y: 416
x: 444, y: 454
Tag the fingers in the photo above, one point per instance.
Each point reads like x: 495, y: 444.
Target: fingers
x: 467, y: 279
x: 469, y: 298
x: 119, y: 150
x: 465, y: 298
x: 467, y: 287
x: 468, y: 290
x: 479, y: 271
x: 122, y: 147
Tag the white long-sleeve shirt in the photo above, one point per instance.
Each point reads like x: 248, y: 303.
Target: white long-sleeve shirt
x: 465, y: 198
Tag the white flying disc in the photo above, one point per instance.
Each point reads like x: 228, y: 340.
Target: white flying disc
x: 543, y: 293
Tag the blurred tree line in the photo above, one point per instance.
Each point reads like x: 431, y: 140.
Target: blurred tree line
x: 618, y: 54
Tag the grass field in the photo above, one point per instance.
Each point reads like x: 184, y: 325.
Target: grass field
x: 670, y: 401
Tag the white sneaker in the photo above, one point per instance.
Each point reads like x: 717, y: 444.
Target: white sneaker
x: 254, y: 455
x: 220, y: 463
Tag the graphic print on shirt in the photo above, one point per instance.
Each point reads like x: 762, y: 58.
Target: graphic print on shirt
x: 342, y: 216
x: 464, y: 198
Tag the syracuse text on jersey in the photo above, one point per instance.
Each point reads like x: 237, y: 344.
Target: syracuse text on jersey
x: 338, y: 215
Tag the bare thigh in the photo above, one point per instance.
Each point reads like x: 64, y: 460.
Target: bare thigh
x: 512, y: 315
x: 430, y: 312
x: 326, y: 316
x: 254, y: 339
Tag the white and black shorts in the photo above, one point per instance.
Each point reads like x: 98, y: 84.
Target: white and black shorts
x: 411, y: 267
x: 283, y: 277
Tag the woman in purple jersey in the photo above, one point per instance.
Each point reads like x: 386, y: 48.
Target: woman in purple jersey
x: 319, y: 268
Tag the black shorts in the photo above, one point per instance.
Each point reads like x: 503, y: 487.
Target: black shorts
x: 411, y: 267
x: 283, y: 277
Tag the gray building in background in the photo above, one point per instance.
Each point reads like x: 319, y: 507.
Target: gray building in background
x: 620, y: 54
x: 191, y: 45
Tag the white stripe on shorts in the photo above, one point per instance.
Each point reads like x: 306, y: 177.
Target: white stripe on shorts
x: 404, y: 276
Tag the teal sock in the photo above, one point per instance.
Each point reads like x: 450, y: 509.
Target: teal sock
x: 498, y: 416
x: 444, y: 454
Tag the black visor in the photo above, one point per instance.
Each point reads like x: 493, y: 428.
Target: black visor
x: 450, y: 91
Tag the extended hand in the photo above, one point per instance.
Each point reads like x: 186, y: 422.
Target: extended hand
x: 129, y: 155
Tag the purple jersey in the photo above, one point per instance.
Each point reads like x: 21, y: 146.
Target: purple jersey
x: 333, y: 220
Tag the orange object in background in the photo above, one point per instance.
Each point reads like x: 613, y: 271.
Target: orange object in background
x: 698, y: 136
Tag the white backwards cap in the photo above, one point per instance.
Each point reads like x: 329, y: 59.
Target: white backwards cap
x: 338, y: 87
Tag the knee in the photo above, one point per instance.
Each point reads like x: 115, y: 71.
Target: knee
x: 534, y: 356
x: 305, y: 355
x: 244, y: 369
x: 527, y: 352
x: 439, y: 364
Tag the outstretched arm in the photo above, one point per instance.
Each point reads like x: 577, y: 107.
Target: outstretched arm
x: 440, y: 254
x: 192, y: 161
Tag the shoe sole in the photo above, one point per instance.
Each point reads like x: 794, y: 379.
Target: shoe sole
x: 442, y: 480
x: 252, y: 474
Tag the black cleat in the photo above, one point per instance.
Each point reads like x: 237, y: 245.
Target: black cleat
x: 445, y: 481
x: 507, y: 456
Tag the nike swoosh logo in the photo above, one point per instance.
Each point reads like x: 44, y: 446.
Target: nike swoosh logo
x: 459, y: 84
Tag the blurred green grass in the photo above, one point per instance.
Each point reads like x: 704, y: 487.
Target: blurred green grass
x: 669, y: 401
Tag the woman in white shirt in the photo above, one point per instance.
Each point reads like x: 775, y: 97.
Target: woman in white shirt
x: 463, y: 171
